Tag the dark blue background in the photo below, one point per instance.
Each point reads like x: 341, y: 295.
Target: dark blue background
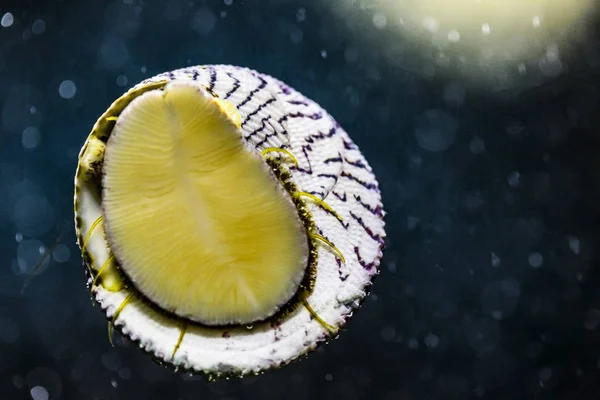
x: 490, y: 284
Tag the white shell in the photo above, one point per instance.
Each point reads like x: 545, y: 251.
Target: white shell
x: 331, y: 167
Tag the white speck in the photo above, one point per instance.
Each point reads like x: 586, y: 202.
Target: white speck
x: 431, y: 24
x: 453, y: 36
x: 19, y: 237
x: 223, y: 14
x: 413, y: 344
x: 38, y: 27
x: 32, y: 110
x: 522, y: 68
x: 477, y: 145
x: 379, y: 20
x: 328, y: 377
x: 114, y: 383
x: 435, y: 130
x: 388, y: 333
x: 228, y: 2
x: 301, y: 14
x: 30, y: 138
x: 324, y: 53
x: 536, y: 21
x: 144, y: 69
x: 536, y: 260
x: 67, y: 89
x: 296, y: 36
x: 485, y: 29
x: 39, y: 393
x: 514, y: 179
x: 432, y: 341
x: 7, y: 20
x: 204, y: 21
x: 591, y: 319
x: 574, y: 245
x: 61, y: 253
x: 121, y: 80
x: 495, y: 260
x: 497, y: 315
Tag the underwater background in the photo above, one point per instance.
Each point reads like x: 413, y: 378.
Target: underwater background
x: 489, y: 167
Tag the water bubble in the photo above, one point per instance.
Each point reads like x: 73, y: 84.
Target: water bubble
x: 18, y: 381
x: 67, y: 89
x: 204, y: 21
x: 30, y: 138
x: 324, y: 53
x: 432, y: 341
x: 591, y: 319
x: 431, y: 24
x: 113, y: 53
x: 38, y: 27
x: 485, y: 29
x: 545, y: 374
x: 47, y: 380
x: 301, y: 14
x: 28, y: 257
x: 514, y: 179
x: 7, y: 20
x: 483, y: 334
x: 228, y: 2
x: 435, y: 130
x: 379, y: 20
x: 536, y: 260
x: 122, y: 80
x: 39, y: 393
x: 453, y: 36
x: 111, y: 360
x: 328, y: 377
x: 125, y: 373
x: 388, y: 333
x: 296, y: 36
x: 61, y: 253
x: 574, y: 245
x: 411, y: 222
x: 495, y: 260
x: 477, y: 145
x: 413, y: 344
x: 550, y: 66
x: 499, y: 299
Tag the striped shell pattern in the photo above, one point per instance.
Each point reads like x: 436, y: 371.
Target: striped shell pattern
x: 330, y: 166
